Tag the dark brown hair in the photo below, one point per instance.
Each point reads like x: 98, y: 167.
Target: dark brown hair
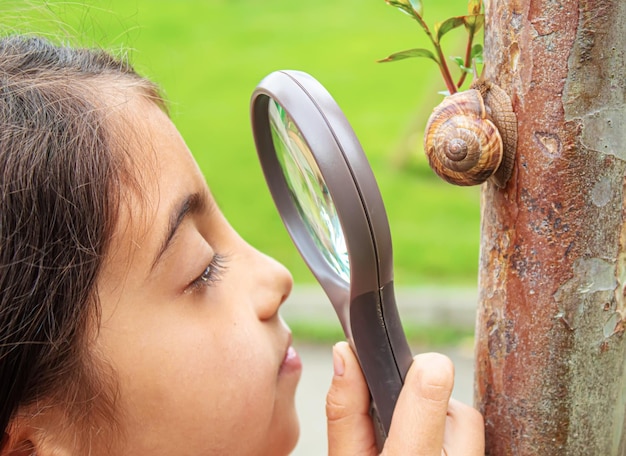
x: 59, y: 190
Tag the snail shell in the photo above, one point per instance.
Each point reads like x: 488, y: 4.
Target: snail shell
x: 472, y: 136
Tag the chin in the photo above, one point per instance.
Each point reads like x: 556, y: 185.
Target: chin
x: 285, y: 447
x: 285, y: 427
x: 291, y: 444
x: 285, y: 436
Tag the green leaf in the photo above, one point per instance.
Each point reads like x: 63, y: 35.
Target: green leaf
x: 411, y: 7
x: 441, y: 28
x: 409, y: 54
x: 474, y: 22
x: 458, y: 60
x: 417, y: 7
x: 477, y: 52
x: 461, y: 64
x: 473, y: 6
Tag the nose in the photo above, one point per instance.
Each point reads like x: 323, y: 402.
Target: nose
x: 272, y: 285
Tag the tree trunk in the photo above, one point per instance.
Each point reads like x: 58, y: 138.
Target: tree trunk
x: 550, y: 344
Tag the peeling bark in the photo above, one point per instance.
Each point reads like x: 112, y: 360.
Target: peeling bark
x: 550, y: 345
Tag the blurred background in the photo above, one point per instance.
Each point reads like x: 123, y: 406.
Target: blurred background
x: 208, y: 55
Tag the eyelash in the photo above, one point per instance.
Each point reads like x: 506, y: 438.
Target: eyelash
x: 209, y: 276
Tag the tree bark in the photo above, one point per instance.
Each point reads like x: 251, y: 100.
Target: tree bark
x: 550, y: 344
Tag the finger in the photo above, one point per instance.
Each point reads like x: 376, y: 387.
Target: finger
x: 350, y: 430
x: 419, y: 419
x: 465, y: 430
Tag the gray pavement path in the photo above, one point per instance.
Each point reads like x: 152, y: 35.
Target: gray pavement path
x: 426, y: 305
x: 441, y: 306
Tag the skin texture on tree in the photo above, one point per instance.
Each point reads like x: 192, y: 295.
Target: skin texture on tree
x: 550, y: 344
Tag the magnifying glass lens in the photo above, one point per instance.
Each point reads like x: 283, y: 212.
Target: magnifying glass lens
x: 308, y: 190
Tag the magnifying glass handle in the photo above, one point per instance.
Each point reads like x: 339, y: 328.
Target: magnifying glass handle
x: 383, y: 351
x: 379, y: 430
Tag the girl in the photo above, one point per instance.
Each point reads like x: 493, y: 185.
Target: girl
x: 133, y: 319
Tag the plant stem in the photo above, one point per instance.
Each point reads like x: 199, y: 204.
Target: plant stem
x: 468, y: 55
x: 445, y: 70
x: 443, y: 66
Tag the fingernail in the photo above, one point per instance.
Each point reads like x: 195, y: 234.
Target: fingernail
x: 338, y: 365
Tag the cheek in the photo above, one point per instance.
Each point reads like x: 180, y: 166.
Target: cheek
x: 205, y: 377
x: 243, y: 363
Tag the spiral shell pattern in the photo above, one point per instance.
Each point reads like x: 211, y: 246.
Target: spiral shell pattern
x: 463, y: 146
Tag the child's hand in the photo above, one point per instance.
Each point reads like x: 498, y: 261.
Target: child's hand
x: 426, y: 422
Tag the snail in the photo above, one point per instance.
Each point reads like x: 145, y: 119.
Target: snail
x: 472, y: 136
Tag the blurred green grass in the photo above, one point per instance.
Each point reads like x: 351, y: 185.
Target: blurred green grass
x: 208, y: 55
x: 421, y: 335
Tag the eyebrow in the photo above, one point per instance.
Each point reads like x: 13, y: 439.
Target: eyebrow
x: 190, y: 205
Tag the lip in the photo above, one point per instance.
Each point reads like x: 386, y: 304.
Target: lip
x: 291, y: 360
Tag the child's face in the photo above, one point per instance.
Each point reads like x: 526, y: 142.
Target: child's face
x: 201, y: 355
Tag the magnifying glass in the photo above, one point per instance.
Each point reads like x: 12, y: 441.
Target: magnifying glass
x: 328, y: 199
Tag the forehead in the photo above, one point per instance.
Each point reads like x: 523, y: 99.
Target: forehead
x: 155, y: 154
x: 160, y: 170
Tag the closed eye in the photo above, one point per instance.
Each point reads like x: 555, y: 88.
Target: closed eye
x: 209, y: 276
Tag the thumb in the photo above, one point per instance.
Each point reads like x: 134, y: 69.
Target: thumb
x: 350, y: 429
x: 419, y: 419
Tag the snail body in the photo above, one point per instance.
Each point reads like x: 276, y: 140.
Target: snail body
x: 471, y: 136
